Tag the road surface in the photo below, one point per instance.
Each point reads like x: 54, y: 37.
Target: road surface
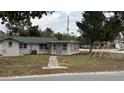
x: 71, y: 77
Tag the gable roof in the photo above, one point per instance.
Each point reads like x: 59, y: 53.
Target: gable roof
x: 33, y: 40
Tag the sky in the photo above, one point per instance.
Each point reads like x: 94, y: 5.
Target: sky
x: 57, y: 22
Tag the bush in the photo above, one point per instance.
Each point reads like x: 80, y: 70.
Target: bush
x: 34, y: 52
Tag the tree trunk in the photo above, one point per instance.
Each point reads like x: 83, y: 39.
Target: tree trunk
x: 90, y: 49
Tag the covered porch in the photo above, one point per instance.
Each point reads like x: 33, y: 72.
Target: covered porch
x: 64, y: 47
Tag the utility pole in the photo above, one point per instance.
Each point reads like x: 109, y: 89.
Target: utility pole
x: 68, y: 25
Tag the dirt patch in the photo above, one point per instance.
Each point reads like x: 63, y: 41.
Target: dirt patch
x: 6, y: 62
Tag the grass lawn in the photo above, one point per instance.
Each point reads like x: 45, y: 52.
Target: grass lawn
x: 32, y: 64
x: 85, y: 63
x: 22, y: 65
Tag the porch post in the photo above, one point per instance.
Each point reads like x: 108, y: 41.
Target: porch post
x: 51, y: 48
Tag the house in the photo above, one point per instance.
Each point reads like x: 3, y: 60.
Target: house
x: 119, y: 41
x: 15, y: 46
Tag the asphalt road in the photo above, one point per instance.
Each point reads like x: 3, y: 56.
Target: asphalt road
x: 71, y: 77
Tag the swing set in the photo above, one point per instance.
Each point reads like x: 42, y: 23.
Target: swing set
x: 101, y: 48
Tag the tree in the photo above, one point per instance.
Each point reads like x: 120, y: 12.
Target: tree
x: 21, y: 16
x: 34, y: 32
x: 96, y: 27
x: 61, y: 36
x: 31, y: 32
x: 2, y: 34
x: 48, y: 32
x: 91, y: 26
x: 17, y: 21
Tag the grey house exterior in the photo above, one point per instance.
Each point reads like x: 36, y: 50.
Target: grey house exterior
x: 15, y: 46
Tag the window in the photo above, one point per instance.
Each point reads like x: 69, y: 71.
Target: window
x: 54, y: 47
x: 20, y: 45
x: 23, y: 45
x: 46, y: 46
x: 10, y: 44
x: 41, y: 46
x: 64, y: 46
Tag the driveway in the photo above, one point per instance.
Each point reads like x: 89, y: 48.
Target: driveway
x: 100, y: 76
x: 106, y: 50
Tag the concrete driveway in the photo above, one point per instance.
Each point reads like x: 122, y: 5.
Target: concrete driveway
x: 106, y: 50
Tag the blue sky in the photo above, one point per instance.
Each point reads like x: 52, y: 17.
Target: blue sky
x: 57, y: 21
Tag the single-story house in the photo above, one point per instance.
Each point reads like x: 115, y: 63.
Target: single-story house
x: 16, y: 45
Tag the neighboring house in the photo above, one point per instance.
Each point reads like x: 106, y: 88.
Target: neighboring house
x: 119, y: 41
x: 15, y: 46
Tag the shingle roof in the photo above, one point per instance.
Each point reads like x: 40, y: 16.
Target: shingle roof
x: 63, y: 41
x: 32, y: 39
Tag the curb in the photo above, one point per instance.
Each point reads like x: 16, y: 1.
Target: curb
x: 61, y: 74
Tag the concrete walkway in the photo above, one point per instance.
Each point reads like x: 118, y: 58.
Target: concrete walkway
x: 53, y: 63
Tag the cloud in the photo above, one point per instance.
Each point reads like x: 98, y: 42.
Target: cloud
x: 46, y: 20
x: 2, y: 26
x: 58, y: 21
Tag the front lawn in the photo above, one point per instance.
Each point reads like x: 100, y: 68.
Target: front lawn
x: 32, y: 64
x: 22, y: 65
x: 85, y: 63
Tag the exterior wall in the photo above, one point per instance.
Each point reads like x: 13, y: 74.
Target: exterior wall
x: 31, y: 47
x: 59, y: 50
x: 9, y: 51
x: 0, y: 48
x: 65, y: 52
x: 25, y: 50
x: 43, y: 51
x: 73, y: 48
x: 70, y: 49
x: 119, y: 44
x: 5, y: 50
